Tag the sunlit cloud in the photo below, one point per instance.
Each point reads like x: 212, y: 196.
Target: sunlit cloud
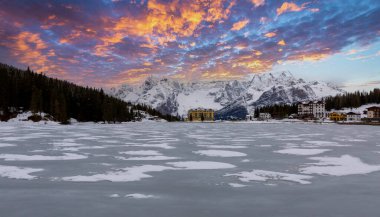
x: 239, y: 25
x: 270, y: 34
x: 108, y: 43
x: 258, y: 3
x: 289, y: 7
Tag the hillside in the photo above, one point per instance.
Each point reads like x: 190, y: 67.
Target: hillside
x: 24, y: 90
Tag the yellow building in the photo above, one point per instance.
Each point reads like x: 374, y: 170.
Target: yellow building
x: 335, y: 116
x: 200, y: 115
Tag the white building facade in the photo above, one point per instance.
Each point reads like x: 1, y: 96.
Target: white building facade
x: 316, y: 109
x: 353, y: 117
x: 265, y: 116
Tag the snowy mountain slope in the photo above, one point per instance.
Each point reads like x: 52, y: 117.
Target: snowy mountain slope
x: 173, y: 97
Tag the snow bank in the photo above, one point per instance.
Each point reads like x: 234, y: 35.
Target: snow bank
x: 263, y: 175
x: 339, y: 166
x: 220, y: 153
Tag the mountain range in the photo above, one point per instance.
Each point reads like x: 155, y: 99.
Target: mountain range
x: 229, y: 98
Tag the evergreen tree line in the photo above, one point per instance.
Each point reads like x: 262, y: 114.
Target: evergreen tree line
x: 352, y: 100
x: 278, y: 110
x: 63, y: 100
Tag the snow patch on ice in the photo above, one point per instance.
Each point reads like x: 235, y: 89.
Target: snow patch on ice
x: 263, y: 175
x: 128, y: 174
x: 6, y: 145
x: 220, y: 153
x: 159, y: 157
x: 14, y: 172
x: 140, y: 196
x: 223, y: 146
x: 114, y: 195
x: 302, y: 151
x: 324, y: 143
x: 142, y: 152
x: 20, y: 157
x: 201, y: 165
x: 339, y: 166
x: 236, y: 185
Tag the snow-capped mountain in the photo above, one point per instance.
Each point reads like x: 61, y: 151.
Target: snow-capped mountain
x: 176, y: 98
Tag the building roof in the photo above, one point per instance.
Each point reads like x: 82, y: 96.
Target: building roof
x: 352, y: 113
x: 373, y: 108
x: 200, y: 109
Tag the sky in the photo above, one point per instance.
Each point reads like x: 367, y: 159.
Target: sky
x: 106, y: 43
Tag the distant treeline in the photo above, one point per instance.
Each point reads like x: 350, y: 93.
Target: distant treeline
x: 352, y: 100
x: 63, y: 100
x: 347, y: 100
x: 278, y: 111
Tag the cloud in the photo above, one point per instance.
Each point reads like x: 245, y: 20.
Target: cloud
x: 258, y: 3
x: 282, y: 43
x: 270, y: 34
x: 106, y: 43
x: 288, y: 7
x: 239, y: 25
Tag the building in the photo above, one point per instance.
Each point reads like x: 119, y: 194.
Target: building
x: 352, y: 116
x: 373, y: 112
x: 250, y: 116
x: 200, y: 114
x: 337, y: 116
x: 264, y: 116
x: 316, y: 109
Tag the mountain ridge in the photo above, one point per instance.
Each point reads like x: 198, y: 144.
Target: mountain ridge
x: 176, y: 98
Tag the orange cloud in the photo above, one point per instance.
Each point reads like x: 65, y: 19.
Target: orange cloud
x: 311, y: 57
x: 239, y: 25
x: 31, y: 50
x: 270, y: 34
x: 289, y: 7
x: 282, y: 43
x: 258, y: 3
x: 164, y: 22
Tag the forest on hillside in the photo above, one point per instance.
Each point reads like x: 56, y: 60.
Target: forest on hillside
x: 26, y: 90
x: 352, y: 100
x: 346, y: 100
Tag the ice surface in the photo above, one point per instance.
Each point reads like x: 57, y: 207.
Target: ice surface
x: 339, y: 166
x: 14, y: 172
x: 236, y: 185
x: 141, y: 152
x: 140, y: 196
x: 6, y: 145
x: 220, y: 153
x: 144, y: 158
x: 114, y: 195
x: 20, y: 157
x: 263, y: 175
x: 128, y: 174
x: 224, y: 146
x: 201, y: 165
x: 301, y: 151
x: 193, y: 181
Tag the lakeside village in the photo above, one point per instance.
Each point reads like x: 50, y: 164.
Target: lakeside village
x: 312, y: 111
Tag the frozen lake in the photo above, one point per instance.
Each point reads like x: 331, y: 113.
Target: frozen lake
x: 180, y: 169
